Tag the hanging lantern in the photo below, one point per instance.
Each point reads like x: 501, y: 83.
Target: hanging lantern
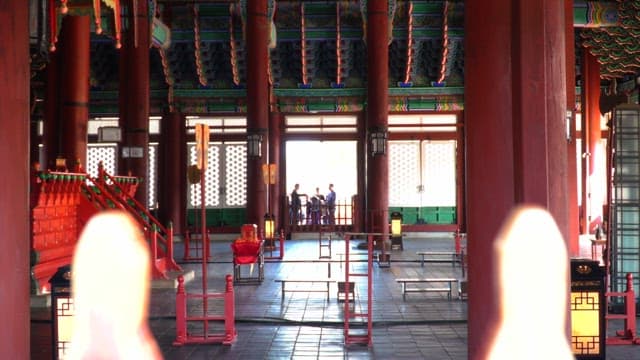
x: 378, y: 138
x: 254, y: 145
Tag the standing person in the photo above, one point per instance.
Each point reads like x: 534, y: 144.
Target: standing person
x: 317, y: 204
x: 296, y: 204
x: 330, y: 200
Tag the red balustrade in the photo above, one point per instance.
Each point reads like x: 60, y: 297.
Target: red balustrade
x: 62, y: 203
x: 227, y: 336
x: 196, y: 246
x: 121, y: 190
x: 629, y: 334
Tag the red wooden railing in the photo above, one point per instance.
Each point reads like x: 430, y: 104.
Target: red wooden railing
x: 309, y: 221
x: 63, y: 202
x: 274, y: 245
x: 122, y: 190
x: 196, y: 246
x: 227, y: 337
x: 629, y: 334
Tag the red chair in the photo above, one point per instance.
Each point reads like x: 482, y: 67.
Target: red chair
x: 248, y: 250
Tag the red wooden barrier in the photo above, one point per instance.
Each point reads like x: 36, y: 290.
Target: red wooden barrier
x: 162, y: 261
x: 628, y: 335
x: 121, y: 189
x: 195, y: 246
x: 226, y: 337
x: 271, y: 247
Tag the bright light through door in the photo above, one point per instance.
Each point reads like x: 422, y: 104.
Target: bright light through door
x: 320, y: 163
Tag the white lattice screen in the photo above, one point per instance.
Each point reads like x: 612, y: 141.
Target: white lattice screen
x: 152, y: 180
x: 227, y: 164
x: 212, y: 178
x: 107, y: 154
x: 439, y: 164
x: 404, y: 173
x: 436, y: 187
x: 101, y: 152
x: 235, y: 189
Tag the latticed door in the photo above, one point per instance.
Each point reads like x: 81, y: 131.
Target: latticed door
x: 225, y: 177
x: 422, y: 180
x: 625, y: 198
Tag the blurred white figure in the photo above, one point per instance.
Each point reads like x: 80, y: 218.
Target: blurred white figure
x: 533, y: 267
x: 110, y: 283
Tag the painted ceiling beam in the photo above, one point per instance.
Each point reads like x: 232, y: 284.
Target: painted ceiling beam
x: 595, y: 14
x: 294, y: 92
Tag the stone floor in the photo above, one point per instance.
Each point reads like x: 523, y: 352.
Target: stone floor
x: 306, y: 324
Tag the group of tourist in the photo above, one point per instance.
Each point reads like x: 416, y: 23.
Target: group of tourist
x: 320, y: 209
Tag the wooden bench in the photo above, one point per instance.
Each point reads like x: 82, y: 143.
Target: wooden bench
x: 446, y: 287
x: 440, y: 255
x: 283, y: 283
x: 355, y: 255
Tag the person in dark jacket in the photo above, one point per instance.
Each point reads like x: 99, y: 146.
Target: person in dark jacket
x: 330, y: 200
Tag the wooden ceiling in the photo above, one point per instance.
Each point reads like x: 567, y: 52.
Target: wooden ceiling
x: 318, y: 53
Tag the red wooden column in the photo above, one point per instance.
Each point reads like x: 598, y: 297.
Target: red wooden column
x: 172, y: 167
x: 51, y: 125
x: 14, y: 183
x: 515, y: 102
x: 573, y: 227
x: 274, y: 158
x: 592, y: 184
x: 67, y: 97
x: 377, y: 38
x: 134, y: 96
x: 257, y: 105
x: 73, y: 66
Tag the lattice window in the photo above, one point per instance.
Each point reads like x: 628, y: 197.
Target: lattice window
x: 439, y: 174
x: 101, y: 152
x: 212, y: 178
x: 404, y: 173
x: 152, y: 179
x: 107, y: 154
x: 235, y: 169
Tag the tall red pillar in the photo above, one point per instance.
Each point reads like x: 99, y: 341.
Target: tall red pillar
x: 515, y: 101
x: 67, y: 95
x: 73, y: 83
x: 134, y: 97
x: 377, y: 38
x: 14, y: 183
x: 274, y: 158
x: 51, y: 124
x: 573, y: 228
x: 257, y: 105
x: 592, y: 174
x: 172, y: 168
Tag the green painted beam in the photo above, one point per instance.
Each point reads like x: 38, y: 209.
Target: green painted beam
x: 293, y: 93
x: 607, y: 13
